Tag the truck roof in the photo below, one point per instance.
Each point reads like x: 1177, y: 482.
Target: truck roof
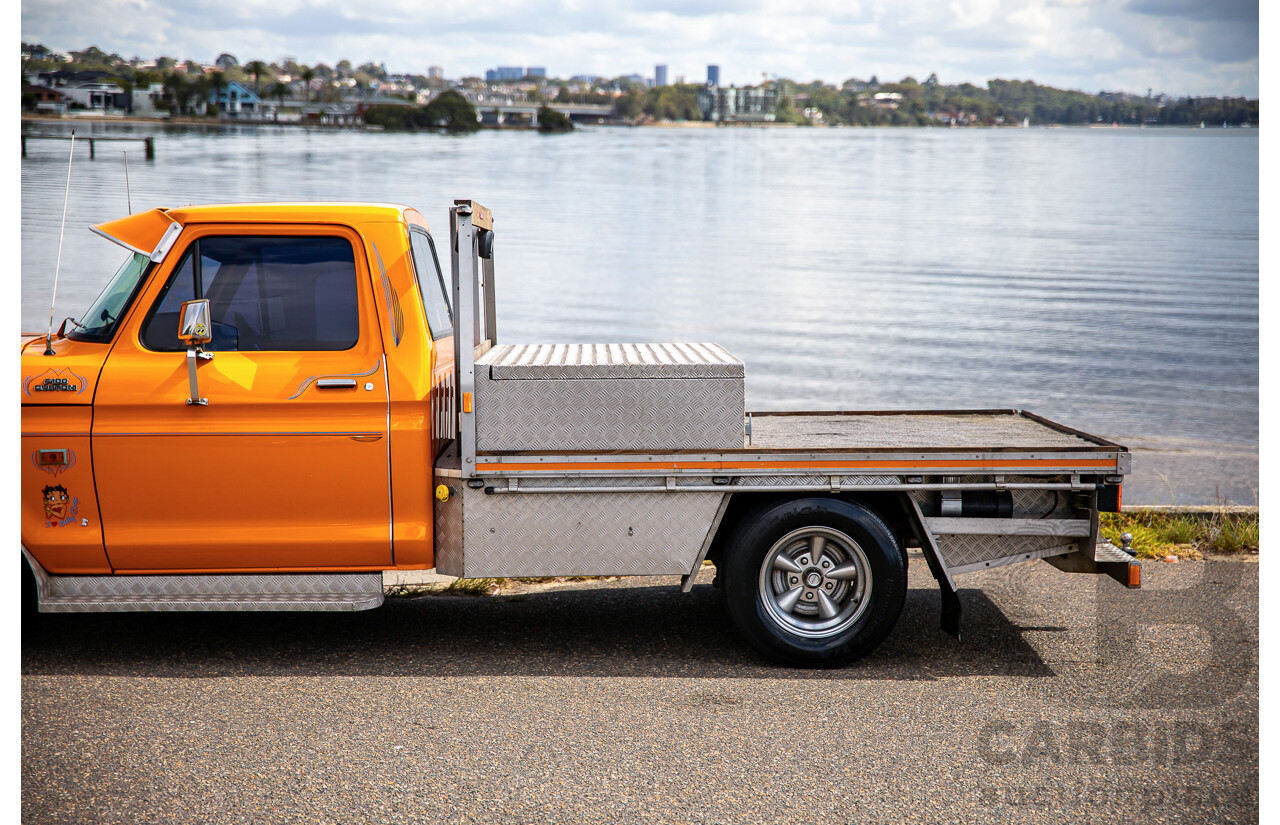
x: 146, y: 232
x: 295, y: 211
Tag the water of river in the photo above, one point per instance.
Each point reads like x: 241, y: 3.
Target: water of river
x: 1104, y: 278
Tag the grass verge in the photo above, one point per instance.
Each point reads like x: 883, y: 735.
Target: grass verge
x: 479, y: 587
x: 1188, y: 534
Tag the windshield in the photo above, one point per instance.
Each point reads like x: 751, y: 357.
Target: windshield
x: 99, y: 323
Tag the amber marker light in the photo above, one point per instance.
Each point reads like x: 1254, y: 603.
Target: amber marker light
x: 52, y: 458
x: 466, y: 402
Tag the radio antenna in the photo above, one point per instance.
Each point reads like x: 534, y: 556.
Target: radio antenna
x: 48, y: 341
x: 128, y: 195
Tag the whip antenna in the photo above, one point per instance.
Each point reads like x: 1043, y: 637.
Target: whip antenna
x: 48, y: 345
x: 128, y: 195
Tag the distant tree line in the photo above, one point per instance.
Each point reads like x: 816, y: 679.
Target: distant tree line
x: 187, y: 86
x: 449, y: 111
x: 677, y: 102
x: 1010, y: 101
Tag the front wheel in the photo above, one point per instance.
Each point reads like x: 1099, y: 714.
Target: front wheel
x: 814, y: 582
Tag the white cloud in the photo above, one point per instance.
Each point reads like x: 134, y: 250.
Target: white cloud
x: 1178, y: 46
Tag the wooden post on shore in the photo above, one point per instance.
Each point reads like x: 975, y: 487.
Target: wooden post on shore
x: 151, y: 148
x: 24, y: 146
x: 91, y: 150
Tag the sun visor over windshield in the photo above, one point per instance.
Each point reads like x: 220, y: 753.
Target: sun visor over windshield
x: 150, y: 233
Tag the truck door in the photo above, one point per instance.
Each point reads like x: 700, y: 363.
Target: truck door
x: 286, y: 468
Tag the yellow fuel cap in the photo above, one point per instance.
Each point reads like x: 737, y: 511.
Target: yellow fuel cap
x: 442, y: 492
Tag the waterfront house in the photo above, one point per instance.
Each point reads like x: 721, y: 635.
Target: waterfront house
x: 145, y: 101
x: 887, y: 100
x: 98, y: 95
x: 47, y: 99
x: 236, y: 100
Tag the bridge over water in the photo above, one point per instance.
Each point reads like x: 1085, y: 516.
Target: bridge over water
x: 580, y: 112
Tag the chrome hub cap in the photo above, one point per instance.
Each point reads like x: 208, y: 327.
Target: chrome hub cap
x: 815, y: 582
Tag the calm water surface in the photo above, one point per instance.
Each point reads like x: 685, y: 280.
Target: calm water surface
x: 1107, y: 279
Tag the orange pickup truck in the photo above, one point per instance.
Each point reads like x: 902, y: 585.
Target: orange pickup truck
x: 270, y: 405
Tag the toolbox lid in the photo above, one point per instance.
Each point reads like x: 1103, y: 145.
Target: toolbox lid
x: 601, y: 361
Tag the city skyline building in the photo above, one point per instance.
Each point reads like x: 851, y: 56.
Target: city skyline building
x: 504, y: 73
x: 660, y: 74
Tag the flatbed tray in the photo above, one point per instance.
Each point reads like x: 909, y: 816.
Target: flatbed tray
x: 896, y: 431
x: 986, y: 430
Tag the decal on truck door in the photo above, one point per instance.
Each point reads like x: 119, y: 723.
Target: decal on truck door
x: 60, y: 508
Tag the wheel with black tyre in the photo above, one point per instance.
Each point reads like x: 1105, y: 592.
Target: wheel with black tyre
x: 814, y: 582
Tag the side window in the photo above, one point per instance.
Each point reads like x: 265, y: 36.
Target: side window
x: 265, y: 293
x: 431, y: 284
x: 160, y: 332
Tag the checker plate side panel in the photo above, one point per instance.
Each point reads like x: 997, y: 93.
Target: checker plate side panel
x: 571, y: 534
x: 267, y: 592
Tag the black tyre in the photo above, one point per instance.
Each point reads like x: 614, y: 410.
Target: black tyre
x: 814, y: 582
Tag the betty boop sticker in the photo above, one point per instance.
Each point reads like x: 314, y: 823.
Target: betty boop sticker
x: 60, y: 507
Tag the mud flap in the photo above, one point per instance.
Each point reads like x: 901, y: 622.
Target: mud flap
x: 949, y: 620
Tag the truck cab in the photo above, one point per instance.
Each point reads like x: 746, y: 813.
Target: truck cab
x: 321, y: 315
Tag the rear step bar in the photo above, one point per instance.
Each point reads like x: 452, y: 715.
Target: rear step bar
x: 262, y: 592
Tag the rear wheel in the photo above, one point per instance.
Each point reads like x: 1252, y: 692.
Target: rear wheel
x: 814, y: 582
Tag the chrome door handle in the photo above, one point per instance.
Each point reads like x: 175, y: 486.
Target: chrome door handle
x: 336, y: 384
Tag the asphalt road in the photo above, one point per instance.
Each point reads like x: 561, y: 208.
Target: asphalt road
x: 1069, y: 699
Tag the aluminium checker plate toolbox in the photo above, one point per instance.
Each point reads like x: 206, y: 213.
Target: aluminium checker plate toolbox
x: 609, y: 397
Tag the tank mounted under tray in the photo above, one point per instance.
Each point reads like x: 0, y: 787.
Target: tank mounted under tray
x: 609, y: 397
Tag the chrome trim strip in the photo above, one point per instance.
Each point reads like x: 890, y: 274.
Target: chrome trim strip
x: 166, y: 242
x: 786, y: 454
x: 785, y: 488
x: 303, y: 386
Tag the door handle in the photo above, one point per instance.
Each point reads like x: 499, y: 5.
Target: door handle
x: 336, y: 384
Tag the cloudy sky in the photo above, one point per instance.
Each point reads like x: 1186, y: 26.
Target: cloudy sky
x: 1198, y: 47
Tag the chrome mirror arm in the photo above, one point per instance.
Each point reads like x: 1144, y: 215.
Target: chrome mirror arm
x: 192, y: 355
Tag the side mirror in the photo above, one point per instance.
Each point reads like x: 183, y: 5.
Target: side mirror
x: 195, y: 326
